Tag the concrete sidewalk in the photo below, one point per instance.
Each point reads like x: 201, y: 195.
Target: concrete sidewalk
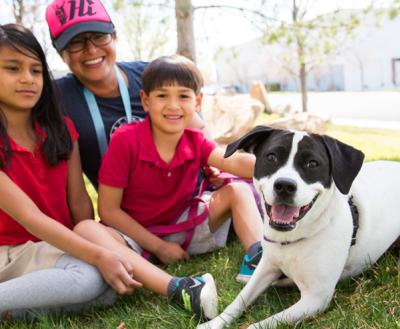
x: 376, y: 109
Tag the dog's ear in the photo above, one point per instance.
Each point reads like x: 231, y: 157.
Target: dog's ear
x: 346, y: 162
x: 249, y: 140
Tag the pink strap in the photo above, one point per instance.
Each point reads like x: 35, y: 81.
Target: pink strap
x: 193, y: 219
x: 196, y: 220
x: 189, y: 224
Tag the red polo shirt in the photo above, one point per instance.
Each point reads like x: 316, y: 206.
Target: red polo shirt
x: 45, y: 185
x: 154, y: 192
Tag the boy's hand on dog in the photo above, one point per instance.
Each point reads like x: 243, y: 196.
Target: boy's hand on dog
x: 213, y: 176
x: 170, y: 252
x: 117, y: 271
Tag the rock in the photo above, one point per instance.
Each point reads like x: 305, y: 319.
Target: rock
x: 229, y: 117
x: 301, y: 121
x: 258, y: 91
x: 283, y: 110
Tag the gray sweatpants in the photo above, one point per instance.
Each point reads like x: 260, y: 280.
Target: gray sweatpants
x: 71, y: 285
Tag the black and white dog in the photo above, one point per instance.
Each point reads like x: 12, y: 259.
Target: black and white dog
x: 326, y: 217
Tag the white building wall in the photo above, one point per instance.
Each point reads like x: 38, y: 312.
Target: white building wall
x: 365, y: 64
x: 249, y: 62
x: 372, y: 52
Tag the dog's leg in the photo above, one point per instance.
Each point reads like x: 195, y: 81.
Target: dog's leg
x: 309, y: 304
x: 262, y: 277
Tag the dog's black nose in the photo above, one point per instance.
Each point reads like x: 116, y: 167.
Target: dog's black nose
x: 285, y: 186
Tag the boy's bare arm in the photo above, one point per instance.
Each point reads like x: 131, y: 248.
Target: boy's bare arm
x: 239, y: 164
x: 109, y: 205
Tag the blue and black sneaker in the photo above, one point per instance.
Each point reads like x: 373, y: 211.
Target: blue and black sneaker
x: 197, y: 295
x: 248, y: 266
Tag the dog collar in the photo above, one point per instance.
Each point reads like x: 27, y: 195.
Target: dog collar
x: 355, y: 216
x: 282, y: 243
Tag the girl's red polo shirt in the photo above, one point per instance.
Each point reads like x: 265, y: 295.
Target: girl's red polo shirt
x: 45, y: 185
x: 154, y: 192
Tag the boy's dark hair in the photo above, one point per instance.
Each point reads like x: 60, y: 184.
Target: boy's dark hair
x: 58, y: 144
x: 170, y: 70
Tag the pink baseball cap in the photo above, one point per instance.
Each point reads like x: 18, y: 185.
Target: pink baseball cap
x: 68, y: 18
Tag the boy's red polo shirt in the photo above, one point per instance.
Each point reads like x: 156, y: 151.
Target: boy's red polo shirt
x: 45, y: 185
x: 154, y: 192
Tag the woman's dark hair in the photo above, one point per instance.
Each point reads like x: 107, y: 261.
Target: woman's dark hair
x: 169, y: 70
x: 58, y: 144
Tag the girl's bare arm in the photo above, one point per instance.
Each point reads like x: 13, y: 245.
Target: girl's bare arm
x: 79, y: 202
x: 18, y: 205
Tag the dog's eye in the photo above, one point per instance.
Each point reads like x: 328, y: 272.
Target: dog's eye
x: 271, y: 157
x: 312, y: 164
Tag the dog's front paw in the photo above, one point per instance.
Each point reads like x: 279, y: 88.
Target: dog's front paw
x: 216, y: 323
x: 269, y: 323
x: 255, y: 326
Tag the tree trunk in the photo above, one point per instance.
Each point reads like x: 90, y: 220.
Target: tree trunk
x: 303, y: 86
x: 184, y: 28
x: 301, y: 59
x: 18, y: 11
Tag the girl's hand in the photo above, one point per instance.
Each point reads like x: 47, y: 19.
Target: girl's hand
x: 170, y: 252
x: 117, y: 272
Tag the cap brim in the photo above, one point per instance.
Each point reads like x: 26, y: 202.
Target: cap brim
x: 95, y: 26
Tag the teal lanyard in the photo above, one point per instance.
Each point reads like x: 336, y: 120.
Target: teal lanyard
x: 95, y: 112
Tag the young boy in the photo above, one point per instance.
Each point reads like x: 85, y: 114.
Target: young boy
x: 148, y: 180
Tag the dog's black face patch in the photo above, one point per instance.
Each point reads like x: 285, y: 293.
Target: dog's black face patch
x: 273, y: 153
x: 312, y: 162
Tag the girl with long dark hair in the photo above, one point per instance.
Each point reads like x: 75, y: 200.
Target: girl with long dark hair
x: 44, y: 265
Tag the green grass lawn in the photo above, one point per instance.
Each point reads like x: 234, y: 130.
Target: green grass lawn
x: 377, y: 144
x: 371, y: 300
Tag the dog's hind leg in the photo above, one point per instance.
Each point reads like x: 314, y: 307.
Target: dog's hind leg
x: 260, y: 280
x: 308, y: 305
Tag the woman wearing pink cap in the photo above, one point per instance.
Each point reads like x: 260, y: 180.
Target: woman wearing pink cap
x: 100, y: 95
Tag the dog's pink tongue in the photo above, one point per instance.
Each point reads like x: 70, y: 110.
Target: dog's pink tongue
x: 284, y: 214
